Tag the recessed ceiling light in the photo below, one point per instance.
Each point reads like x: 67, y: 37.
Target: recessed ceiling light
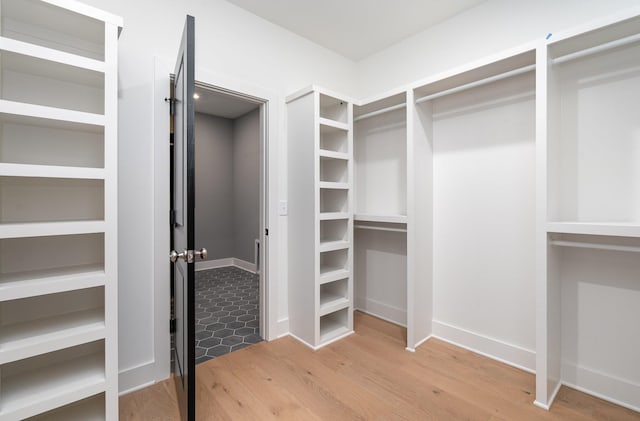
x: 196, y: 96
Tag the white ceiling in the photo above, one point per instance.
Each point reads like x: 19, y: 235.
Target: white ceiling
x: 222, y: 105
x: 356, y: 28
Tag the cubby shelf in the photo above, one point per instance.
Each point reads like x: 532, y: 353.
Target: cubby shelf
x: 43, y: 229
x: 615, y: 229
x: 14, y: 286
x: 334, y: 245
x: 332, y: 303
x: 333, y: 325
x: 44, y: 389
x: 52, y: 113
x: 332, y: 154
x: 328, y: 216
x: 333, y: 274
x: 333, y: 185
x: 27, y: 339
x: 49, y: 54
x: 334, y: 124
x: 50, y: 171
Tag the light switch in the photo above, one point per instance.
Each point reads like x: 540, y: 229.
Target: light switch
x: 283, y: 208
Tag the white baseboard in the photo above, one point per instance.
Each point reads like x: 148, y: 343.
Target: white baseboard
x: 619, y: 391
x: 137, y: 377
x: 229, y: 261
x: 382, y: 311
x: 513, y: 355
x: 315, y: 348
x: 283, y: 328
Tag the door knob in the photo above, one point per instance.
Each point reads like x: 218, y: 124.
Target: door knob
x: 174, y: 256
x: 202, y: 253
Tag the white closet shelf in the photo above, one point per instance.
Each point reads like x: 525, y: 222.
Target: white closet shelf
x: 45, y: 229
x: 23, y: 340
x: 324, y: 153
x: 40, y: 390
x: 91, y: 408
x: 615, y: 229
x: 334, y: 124
x: 333, y: 274
x: 14, y: 286
x: 389, y: 219
x: 50, y: 113
x: 333, y: 185
x: 329, y: 216
x: 334, y: 245
x: 44, y: 53
x: 50, y: 171
x: 330, y: 303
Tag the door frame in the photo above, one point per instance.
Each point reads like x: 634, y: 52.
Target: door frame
x: 269, y: 111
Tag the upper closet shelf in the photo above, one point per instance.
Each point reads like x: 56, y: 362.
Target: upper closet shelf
x: 49, y: 54
x: 45, y: 229
x: 391, y: 219
x: 50, y: 171
x: 335, y: 124
x: 615, y: 229
x: 51, y: 113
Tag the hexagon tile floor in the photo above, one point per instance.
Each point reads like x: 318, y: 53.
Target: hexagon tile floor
x: 226, y: 311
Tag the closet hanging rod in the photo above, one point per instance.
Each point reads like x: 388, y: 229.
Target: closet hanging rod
x: 381, y: 111
x: 477, y: 83
x: 373, y: 227
x: 597, y: 49
x: 595, y: 246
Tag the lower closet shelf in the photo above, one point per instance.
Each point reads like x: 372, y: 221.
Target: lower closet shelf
x: 333, y: 274
x: 90, y: 409
x: 14, y: 286
x: 330, y: 304
x: 23, y: 340
x: 334, y: 325
x: 42, y: 389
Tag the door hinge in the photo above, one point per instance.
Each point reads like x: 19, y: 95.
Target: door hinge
x: 266, y: 231
x: 172, y: 326
x: 172, y: 217
x: 172, y: 105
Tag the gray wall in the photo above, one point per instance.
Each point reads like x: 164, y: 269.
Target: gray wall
x: 246, y: 184
x: 214, y: 186
x: 227, y: 185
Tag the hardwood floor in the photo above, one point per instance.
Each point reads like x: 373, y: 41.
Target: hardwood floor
x: 366, y: 376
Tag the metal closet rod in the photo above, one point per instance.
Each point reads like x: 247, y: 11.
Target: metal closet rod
x: 381, y: 111
x: 595, y: 246
x: 597, y: 49
x: 477, y: 83
x: 373, y: 227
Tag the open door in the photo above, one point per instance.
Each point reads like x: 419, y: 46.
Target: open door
x: 183, y: 201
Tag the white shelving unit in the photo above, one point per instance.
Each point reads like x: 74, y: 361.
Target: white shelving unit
x: 320, y: 216
x: 58, y: 201
x: 589, y: 221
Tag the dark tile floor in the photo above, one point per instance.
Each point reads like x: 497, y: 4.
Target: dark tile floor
x: 227, y: 311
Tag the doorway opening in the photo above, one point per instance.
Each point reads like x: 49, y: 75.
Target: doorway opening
x: 230, y: 221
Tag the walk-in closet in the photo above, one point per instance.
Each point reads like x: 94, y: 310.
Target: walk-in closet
x: 227, y: 222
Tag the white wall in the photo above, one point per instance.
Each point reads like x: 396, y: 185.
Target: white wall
x: 234, y: 45
x: 488, y: 28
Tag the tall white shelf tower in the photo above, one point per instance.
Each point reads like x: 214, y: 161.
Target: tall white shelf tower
x: 58, y: 211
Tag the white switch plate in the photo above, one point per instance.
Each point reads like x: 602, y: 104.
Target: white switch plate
x: 283, y: 208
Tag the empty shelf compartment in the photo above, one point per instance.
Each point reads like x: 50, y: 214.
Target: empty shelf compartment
x: 334, y: 325
x: 334, y: 140
x: 33, y: 326
x: 89, y: 409
x: 334, y: 296
x: 46, y: 25
x: 35, y: 199
x: 334, y: 200
x: 31, y: 80
x: 334, y: 230
x: 334, y: 170
x: 332, y: 261
x: 333, y: 108
x: 42, y: 141
x: 39, y: 384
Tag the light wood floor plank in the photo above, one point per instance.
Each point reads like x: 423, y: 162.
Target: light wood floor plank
x: 368, y: 376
